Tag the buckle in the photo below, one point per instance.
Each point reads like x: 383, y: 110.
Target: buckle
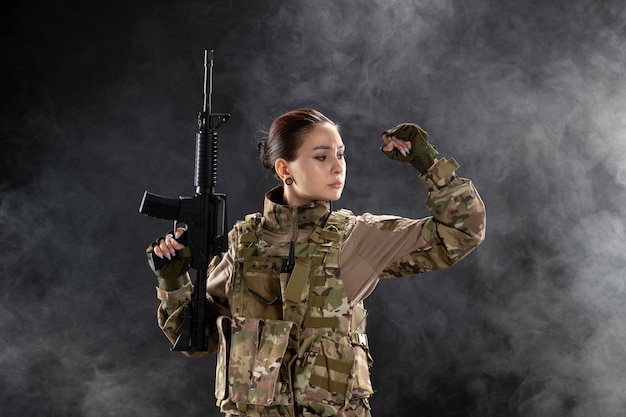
x: 359, y: 339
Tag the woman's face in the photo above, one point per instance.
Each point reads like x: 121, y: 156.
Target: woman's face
x: 319, y: 170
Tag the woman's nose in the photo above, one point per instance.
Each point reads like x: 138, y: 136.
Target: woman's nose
x: 338, y: 165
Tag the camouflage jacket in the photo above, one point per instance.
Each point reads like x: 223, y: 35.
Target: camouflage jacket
x: 371, y: 248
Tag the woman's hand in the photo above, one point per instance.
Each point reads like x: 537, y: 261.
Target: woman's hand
x: 169, y: 258
x: 408, y: 142
x: 167, y: 246
x: 392, y: 142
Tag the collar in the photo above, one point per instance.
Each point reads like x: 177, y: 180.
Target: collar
x: 282, y: 219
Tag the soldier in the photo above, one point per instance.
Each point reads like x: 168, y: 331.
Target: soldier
x: 286, y: 299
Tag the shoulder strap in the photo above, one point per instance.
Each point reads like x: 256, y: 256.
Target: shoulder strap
x: 245, y: 234
x: 332, y: 236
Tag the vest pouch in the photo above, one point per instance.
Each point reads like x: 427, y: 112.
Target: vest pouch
x: 221, y: 365
x: 322, y: 378
x: 362, y: 385
x: 251, y: 360
x: 262, y: 294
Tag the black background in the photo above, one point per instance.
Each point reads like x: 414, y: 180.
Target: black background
x: 99, y: 103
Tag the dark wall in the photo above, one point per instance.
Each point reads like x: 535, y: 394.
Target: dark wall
x: 99, y: 103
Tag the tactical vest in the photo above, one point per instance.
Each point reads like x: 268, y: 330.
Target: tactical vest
x: 294, y: 341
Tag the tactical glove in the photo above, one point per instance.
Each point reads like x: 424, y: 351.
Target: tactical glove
x: 174, y: 269
x: 422, y: 154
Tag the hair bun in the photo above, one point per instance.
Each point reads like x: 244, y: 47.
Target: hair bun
x: 262, y: 147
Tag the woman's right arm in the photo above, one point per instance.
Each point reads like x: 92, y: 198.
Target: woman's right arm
x: 175, y: 287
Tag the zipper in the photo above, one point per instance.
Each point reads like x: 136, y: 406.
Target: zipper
x: 290, y: 262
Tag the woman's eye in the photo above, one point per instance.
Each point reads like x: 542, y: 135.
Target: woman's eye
x: 321, y: 158
x: 341, y: 156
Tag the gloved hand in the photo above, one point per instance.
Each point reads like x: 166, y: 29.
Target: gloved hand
x: 415, y: 150
x: 167, y: 257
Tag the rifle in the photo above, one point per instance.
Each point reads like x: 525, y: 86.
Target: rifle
x: 200, y: 215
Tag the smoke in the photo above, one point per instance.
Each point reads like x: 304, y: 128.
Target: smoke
x: 100, y: 103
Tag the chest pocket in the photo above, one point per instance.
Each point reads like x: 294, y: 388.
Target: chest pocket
x: 261, y: 288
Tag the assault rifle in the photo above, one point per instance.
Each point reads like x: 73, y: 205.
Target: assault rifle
x: 203, y: 216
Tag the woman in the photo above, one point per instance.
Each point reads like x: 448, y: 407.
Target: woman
x: 287, y: 296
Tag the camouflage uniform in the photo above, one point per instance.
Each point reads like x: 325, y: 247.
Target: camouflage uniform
x: 294, y: 343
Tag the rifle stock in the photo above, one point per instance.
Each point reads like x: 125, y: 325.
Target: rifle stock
x: 203, y: 215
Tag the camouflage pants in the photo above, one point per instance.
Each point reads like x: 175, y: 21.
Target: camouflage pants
x: 358, y: 408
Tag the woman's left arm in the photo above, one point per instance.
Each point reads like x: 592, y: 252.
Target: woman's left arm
x: 458, y: 219
x: 391, y: 246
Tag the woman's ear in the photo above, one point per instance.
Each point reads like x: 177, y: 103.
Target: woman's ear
x: 281, y: 168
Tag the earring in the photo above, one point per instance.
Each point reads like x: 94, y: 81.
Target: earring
x: 289, y: 181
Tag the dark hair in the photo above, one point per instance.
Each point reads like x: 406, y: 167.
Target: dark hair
x: 287, y: 134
